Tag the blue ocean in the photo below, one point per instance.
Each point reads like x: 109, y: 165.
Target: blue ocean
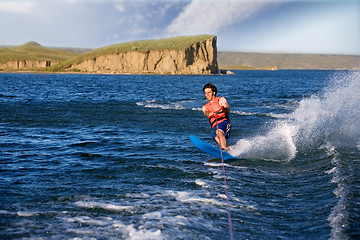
x: 109, y: 157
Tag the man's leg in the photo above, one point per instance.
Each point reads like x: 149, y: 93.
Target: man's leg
x: 220, y: 139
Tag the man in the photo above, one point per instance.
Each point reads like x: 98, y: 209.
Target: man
x: 217, y: 110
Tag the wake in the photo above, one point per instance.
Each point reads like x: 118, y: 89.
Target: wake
x: 331, y: 118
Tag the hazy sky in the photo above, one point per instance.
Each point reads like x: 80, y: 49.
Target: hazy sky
x: 290, y: 26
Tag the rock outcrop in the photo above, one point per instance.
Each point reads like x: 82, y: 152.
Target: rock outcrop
x: 198, y: 58
x: 27, y: 64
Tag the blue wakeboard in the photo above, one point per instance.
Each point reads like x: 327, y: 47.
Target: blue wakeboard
x: 210, y: 149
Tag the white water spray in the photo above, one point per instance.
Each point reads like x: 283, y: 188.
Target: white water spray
x: 332, y: 118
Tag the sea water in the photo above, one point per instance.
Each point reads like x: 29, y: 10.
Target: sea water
x: 109, y: 157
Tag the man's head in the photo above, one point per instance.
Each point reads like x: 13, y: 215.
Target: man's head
x: 210, y: 91
x: 211, y: 86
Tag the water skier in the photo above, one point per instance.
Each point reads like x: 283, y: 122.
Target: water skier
x: 217, y: 110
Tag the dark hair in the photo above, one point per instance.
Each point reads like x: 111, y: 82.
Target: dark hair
x: 212, y: 86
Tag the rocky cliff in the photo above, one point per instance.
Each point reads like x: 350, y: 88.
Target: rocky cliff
x: 196, y: 58
x: 27, y: 64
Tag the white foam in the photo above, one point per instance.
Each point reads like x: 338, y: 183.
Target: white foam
x: 152, y: 215
x: 333, y: 117
x: 223, y: 196
x: 338, y: 218
x: 201, y: 183
x: 106, y: 206
x: 331, y: 170
x: 94, y: 227
x: 5, y: 212
x: 79, y: 231
x: 243, y: 204
x: 132, y: 233
x: 154, y: 104
x: 27, y: 214
x: 272, y: 115
x: 178, y: 220
x: 137, y: 195
x: 215, y: 164
x: 196, y: 109
x: 238, y: 112
x: 188, y: 197
x: 87, y: 220
x: 277, y: 144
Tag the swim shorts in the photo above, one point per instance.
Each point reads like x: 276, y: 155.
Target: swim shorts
x: 225, y: 127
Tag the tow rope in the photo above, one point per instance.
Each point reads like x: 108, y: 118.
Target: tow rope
x: 225, y: 182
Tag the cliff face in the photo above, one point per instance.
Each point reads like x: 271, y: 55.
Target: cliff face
x: 31, y: 55
x: 26, y: 64
x: 199, y: 58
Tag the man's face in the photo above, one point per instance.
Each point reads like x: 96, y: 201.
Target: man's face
x: 209, y: 94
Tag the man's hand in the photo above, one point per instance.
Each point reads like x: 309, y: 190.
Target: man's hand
x: 213, y: 114
x: 218, y: 111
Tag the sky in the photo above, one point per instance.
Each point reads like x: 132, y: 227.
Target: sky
x: 267, y: 26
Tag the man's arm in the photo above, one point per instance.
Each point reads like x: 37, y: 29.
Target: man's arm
x: 205, y: 111
x: 224, y: 106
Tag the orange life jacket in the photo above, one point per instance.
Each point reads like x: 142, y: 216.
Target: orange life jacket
x: 220, y: 117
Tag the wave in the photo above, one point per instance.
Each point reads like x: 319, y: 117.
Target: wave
x: 332, y: 117
x: 108, y: 225
x: 103, y: 206
x: 181, y: 105
x: 270, y: 115
x: 6, y: 96
x: 155, y: 104
x: 339, y: 217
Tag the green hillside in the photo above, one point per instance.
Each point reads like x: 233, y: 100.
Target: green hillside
x: 141, y: 45
x: 245, y: 60
x: 33, y: 51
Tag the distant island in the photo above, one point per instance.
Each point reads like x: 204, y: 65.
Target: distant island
x: 179, y: 55
x: 273, y: 61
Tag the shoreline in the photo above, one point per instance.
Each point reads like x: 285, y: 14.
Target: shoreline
x: 220, y: 72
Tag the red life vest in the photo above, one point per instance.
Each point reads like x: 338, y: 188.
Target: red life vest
x: 220, y: 117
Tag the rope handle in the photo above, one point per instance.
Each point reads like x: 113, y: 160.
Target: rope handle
x: 217, y: 112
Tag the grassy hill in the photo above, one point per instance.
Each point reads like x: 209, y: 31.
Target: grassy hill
x: 34, y: 51
x: 244, y: 60
x: 141, y: 45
